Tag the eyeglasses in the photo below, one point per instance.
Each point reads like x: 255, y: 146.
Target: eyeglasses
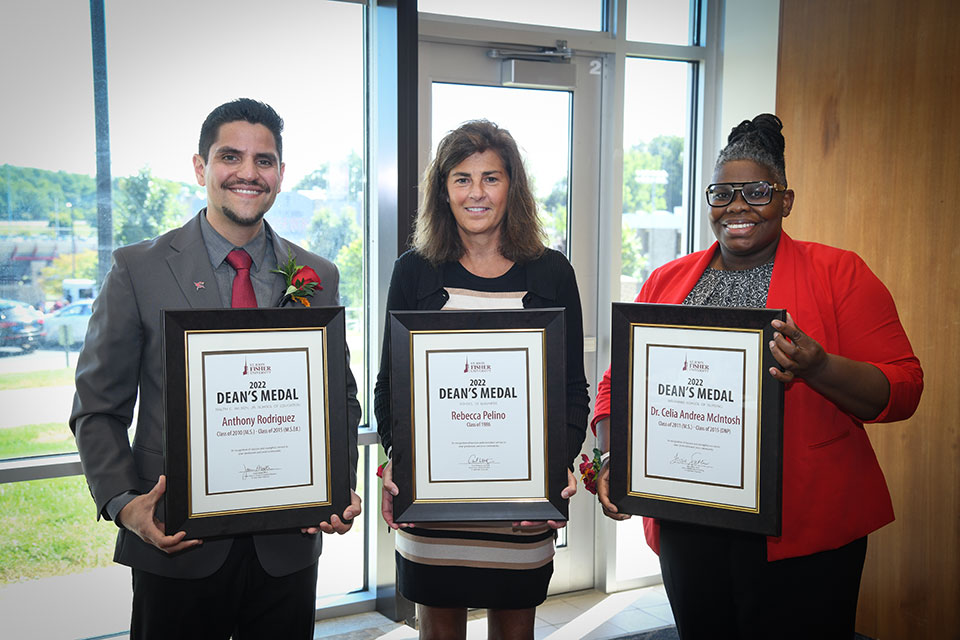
x: 755, y: 193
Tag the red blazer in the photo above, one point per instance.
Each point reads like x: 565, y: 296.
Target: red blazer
x: 833, y: 489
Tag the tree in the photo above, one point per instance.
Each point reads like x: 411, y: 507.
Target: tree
x: 350, y: 262
x: 31, y: 201
x: 355, y: 177
x: 60, y: 219
x: 53, y: 274
x: 36, y: 194
x: 146, y: 206
x: 633, y: 260
x: 331, y: 178
x: 316, y: 179
x: 332, y: 230
x: 637, y: 195
x: 664, y: 153
x: 553, y: 214
x: 670, y: 151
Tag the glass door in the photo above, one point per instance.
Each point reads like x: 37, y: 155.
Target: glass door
x: 552, y: 109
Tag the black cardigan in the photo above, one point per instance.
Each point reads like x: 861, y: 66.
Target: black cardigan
x: 417, y: 285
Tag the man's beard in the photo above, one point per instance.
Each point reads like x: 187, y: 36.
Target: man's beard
x: 232, y: 216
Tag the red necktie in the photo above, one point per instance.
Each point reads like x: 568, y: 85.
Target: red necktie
x: 243, y: 296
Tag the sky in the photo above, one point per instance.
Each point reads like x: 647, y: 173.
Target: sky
x: 169, y: 63
x: 162, y: 86
x: 538, y: 120
x: 663, y: 21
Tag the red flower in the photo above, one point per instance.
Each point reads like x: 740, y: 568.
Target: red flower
x: 301, y: 281
x: 589, y: 469
x: 305, y: 275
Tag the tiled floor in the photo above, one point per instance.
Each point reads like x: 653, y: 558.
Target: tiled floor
x: 25, y: 612
x: 586, y: 615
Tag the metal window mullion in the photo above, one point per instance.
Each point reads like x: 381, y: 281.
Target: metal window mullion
x: 608, y: 243
x: 40, y: 468
x: 98, y: 42
x: 710, y: 83
x: 697, y: 110
x: 477, y: 32
x: 665, y: 51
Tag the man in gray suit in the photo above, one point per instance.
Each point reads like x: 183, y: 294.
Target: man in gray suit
x: 260, y: 586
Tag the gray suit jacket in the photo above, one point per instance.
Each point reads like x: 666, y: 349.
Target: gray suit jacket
x: 122, y: 355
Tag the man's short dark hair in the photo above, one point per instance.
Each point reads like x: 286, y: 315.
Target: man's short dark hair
x: 246, y: 109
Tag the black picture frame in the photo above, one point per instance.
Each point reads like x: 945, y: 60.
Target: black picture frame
x: 681, y: 499
x: 410, y: 506
x: 249, y: 328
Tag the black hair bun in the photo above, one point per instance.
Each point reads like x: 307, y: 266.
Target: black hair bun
x: 764, y: 130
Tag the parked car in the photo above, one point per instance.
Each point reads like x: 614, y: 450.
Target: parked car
x: 68, y: 325
x: 20, y: 325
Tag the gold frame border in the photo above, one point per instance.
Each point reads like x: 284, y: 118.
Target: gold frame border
x: 630, y: 417
x: 546, y: 430
x: 526, y: 353
x: 191, y: 514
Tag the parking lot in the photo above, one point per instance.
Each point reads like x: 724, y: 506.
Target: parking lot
x: 39, y: 405
x: 15, y: 360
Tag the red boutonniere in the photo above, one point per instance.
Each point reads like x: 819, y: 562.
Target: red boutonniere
x: 301, y: 281
x: 589, y: 470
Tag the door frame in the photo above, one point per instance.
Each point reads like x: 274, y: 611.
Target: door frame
x: 470, y: 64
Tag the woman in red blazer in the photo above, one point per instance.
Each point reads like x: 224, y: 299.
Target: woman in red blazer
x: 844, y: 360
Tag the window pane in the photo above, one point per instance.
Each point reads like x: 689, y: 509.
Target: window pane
x: 57, y: 576
x: 47, y: 157
x: 36, y: 390
x: 572, y: 14
x: 634, y: 558
x: 539, y: 120
x: 655, y: 158
x: 153, y: 130
x: 660, y: 21
x: 35, y: 421
x: 160, y: 90
x: 341, y: 567
x: 308, y: 47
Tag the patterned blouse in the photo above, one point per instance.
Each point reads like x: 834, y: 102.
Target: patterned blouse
x: 746, y: 288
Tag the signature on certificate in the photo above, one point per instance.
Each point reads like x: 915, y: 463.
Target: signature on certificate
x: 259, y: 471
x: 694, y: 463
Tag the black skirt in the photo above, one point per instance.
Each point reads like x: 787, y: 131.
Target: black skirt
x: 475, y: 566
x: 472, y: 587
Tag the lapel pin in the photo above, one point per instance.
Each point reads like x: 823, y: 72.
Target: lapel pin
x: 199, y: 285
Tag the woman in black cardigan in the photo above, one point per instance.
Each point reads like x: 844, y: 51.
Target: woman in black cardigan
x: 479, y: 244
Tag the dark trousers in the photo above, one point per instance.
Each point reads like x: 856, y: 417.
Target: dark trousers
x: 721, y: 586
x: 240, y: 600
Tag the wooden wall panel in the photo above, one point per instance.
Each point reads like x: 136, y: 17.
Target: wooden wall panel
x: 869, y: 93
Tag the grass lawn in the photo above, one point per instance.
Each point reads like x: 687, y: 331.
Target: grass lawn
x: 51, y: 529
x: 50, y: 526
x: 36, y: 440
x: 30, y: 379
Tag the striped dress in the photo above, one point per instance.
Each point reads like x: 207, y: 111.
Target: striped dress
x: 471, y: 564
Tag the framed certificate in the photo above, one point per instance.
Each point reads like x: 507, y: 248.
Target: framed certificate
x: 253, y: 428
x: 478, y: 405
x: 696, y: 420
